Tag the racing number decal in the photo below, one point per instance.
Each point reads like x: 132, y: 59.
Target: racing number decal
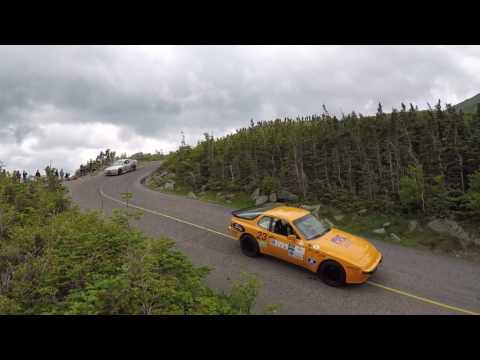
x: 262, y: 236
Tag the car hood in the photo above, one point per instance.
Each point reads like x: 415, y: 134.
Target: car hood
x: 111, y: 168
x: 348, y: 247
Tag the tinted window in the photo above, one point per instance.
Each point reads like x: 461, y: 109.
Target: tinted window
x: 282, y: 227
x: 311, y: 227
x: 265, y: 222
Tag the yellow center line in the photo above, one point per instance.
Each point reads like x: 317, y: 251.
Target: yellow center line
x: 396, y: 291
x: 420, y: 298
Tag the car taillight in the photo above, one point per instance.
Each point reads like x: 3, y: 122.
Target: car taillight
x: 238, y: 227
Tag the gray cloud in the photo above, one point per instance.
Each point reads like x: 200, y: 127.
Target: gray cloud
x: 58, y: 100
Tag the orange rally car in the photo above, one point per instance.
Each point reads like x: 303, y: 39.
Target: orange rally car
x: 296, y: 236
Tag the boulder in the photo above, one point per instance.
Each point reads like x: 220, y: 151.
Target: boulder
x: 395, y: 237
x: 229, y: 196
x: 255, y: 194
x: 170, y: 185
x: 362, y: 212
x: 452, y: 228
x: 339, y: 217
x: 328, y: 222
x: 228, y: 201
x: 380, y: 231
x: 387, y: 224
x: 286, y: 196
x: 261, y: 199
x: 204, y: 188
x: 272, y: 197
x: 412, y: 225
x: 314, y: 209
x: 192, y: 195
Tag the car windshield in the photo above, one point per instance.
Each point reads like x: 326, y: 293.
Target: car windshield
x: 311, y: 227
x: 119, y: 162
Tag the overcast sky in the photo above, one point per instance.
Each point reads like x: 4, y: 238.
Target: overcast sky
x: 63, y: 104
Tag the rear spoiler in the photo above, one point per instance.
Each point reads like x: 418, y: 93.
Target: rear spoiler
x: 253, y: 212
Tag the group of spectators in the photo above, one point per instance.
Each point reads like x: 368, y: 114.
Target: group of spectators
x: 90, y: 168
x: 23, y: 175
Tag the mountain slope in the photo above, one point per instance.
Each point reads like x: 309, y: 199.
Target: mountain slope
x: 469, y: 105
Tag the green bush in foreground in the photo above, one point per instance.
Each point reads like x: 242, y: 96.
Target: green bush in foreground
x: 55, y: 259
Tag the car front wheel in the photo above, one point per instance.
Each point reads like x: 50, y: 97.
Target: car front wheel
x: 119, y: 172
x: 332, y: 273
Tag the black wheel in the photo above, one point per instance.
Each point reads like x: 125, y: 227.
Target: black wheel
x: 119, y: 172
x: 134, y: 167
x: 249, y: 246
x: 332, y: 273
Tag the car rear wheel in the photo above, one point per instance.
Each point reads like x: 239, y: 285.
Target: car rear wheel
x: 332, y: 273
x: 134, y: 167
x: 249, y: 246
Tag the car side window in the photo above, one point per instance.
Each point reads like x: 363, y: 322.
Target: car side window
x: 282, y: 227
x: 126, y: 161
x: 265, y: 222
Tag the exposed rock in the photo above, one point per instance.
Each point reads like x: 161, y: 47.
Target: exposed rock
x: 229, y: 196
x: 453, y: 229
x: 363, y: 211
x: 192, y: 195
x: 170, y: 185
x: 286, y: 196
x: 272, y: 197
x: 412, y: 225
x: 314, y: 209
x: 311, y: 207
x: 380, y: 231
x: 261, y: 199
x: 204, y: 188
x: 255, y: 194
x: 228, y: 201
x: 202, y: 193
x: 328, y: 222
x: 387, y: 224
x: 395, y: 237
x: 339, y: 217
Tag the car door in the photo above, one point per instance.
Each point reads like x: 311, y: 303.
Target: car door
x: 284, y: 247
x: 263, y: 235
x: 126, y: 165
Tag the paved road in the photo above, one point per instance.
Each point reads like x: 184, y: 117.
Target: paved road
x: 409, y: 281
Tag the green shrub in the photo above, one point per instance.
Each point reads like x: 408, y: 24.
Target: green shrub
x: 55, y: 259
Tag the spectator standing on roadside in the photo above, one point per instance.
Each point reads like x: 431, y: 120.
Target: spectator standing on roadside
x: 61, y: 174
x: 24, y: 176
x: 67, y: 176
x: 37, y: 174
x: 56, y: 173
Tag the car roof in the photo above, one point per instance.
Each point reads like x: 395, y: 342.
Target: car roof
x: 287, y: 212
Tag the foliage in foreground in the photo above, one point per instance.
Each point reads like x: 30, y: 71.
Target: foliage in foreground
x: 55, y: 259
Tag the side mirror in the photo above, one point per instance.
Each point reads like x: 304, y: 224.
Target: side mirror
x: 292, y: 237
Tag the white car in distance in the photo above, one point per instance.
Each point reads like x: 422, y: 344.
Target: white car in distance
x: 121, y: 166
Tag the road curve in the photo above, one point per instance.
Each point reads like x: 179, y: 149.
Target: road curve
x: 409, y: 281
